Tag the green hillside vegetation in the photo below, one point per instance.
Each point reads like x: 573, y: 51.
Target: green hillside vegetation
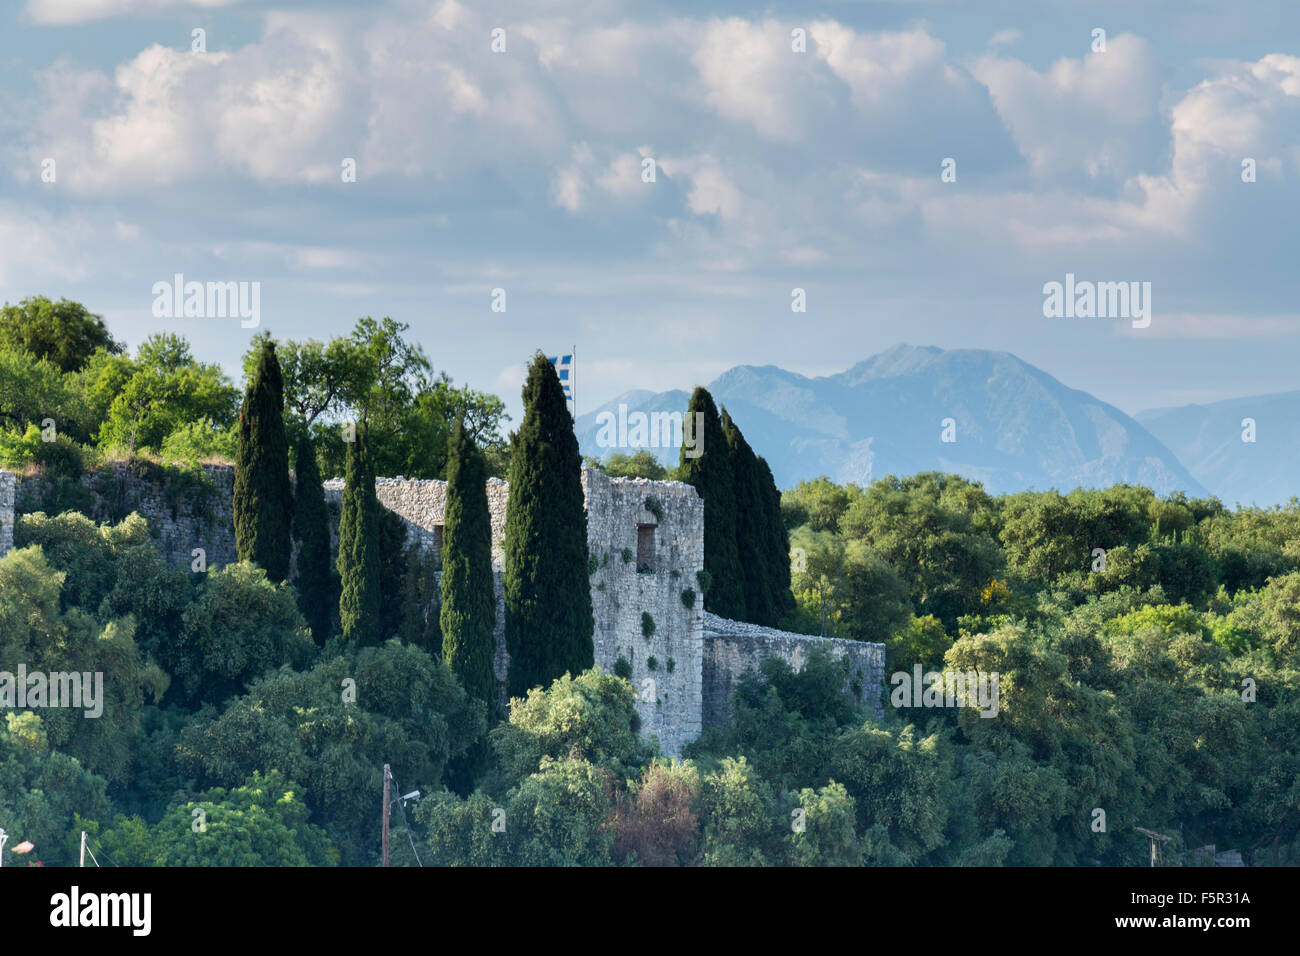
x: 1147, y: 647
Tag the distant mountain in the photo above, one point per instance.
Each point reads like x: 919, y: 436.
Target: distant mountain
x: 1016, y: 427
x: 1208, y: 440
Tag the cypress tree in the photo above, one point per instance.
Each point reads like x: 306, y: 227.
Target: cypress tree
x: 312, y: 530
x: 549, y: 619
x: 392, y: 570
x: 752, y: 544
x: 468, y: 604
x: 420, y: 603
x: 358, y: 561
x: 777, y: 545
x: 263, y: 495
x: 710, y: 473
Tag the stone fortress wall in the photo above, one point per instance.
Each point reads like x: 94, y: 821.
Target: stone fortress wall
x: 182, y: 515
x: 646, y: 539
x: 8, y: 489
x: 645, y: 557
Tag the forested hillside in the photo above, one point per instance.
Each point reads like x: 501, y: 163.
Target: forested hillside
x: 1147, y: 647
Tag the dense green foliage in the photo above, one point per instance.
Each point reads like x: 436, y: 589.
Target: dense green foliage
x: 1147, y: 650
x: 60, y: 369
x: 775, y: 544
x: 162, y: 401
x: 375, y: 377
x: 263, y: 498
x: 548, y: 616
x: 311, y: 529
x: 710, y: 473
x: 468, y: 614
x: 62, y: 333
x: 264, y: 822
x: 752, y: 542
x: 1178, y: 717
x: 358, y: 558
x: 640, y: 464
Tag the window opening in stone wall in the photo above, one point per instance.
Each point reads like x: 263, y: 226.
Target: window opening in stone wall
x: 437, y: 545
x: 645, y: 547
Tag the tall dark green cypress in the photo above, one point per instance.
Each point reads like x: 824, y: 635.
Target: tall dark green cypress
x: 549, y: 619
x: 751, y: 525
x: 777, y: 545
x: 420, y: 603
x: 263, y: 494
x: 358, y: 560
x: 468, y: 604
x: 311, y: 525
x: 710, y: 473
x: 392, y: 570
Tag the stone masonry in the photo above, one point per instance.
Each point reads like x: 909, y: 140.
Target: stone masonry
x: 733, y: 647
x: 8, y: 489
x: 644, y: 563
x: 180, y: 519
x: 646, y: 542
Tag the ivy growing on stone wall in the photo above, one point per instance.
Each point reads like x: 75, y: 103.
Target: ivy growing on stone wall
x: 647, y: 625
x: 653, y: 505
x: 688, y: 598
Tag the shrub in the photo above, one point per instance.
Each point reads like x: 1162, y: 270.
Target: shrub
x: 654, y: 823
x: 239, y: 626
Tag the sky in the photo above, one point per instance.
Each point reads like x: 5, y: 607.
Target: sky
x: 1114, y: 158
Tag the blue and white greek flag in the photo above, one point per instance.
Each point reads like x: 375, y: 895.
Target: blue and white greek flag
x: 564, y: 368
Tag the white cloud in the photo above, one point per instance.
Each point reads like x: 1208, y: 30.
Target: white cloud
x: 879, y: 67
x: 1080, y: 115
x: 750, y: 73
x: 712, y: 190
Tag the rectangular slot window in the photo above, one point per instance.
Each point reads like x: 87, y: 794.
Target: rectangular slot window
x: 645, y: 547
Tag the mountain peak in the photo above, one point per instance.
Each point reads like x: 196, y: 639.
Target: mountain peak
x: 987, y: 415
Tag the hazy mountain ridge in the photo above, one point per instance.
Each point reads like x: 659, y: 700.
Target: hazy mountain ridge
x: 1016, y: 426
x: 1208, y: 439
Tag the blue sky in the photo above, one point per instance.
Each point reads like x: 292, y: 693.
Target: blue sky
x: 776, y: 170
